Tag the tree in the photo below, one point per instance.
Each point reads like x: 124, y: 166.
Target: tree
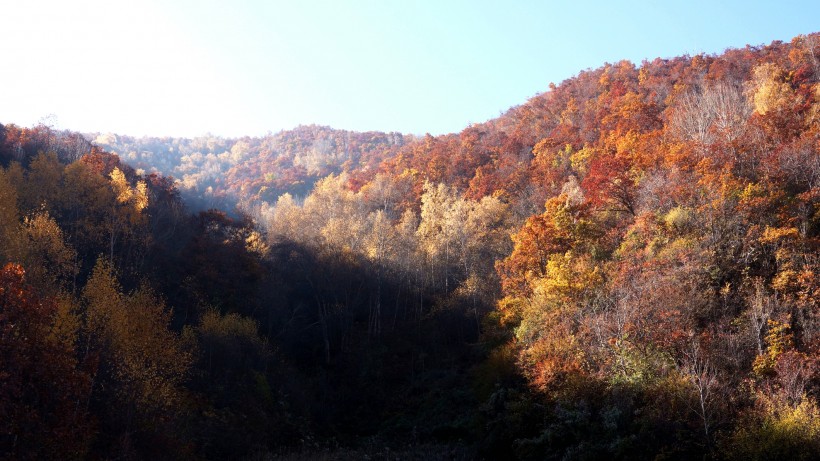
x: 54, y: 264
x: 10, y: 230
x: 702, y: 375
x: 441, y: 211
x: 41, y: 384
x: 704, y: 115
x: 378, y: 245
x: 242, y: 411
x: 283, y: 219
x: 781, y: 110
x: 137, y: 387
x: 87, y: 200
x: 553, y: 232
x: 126, y: 212
x: 612, y: 183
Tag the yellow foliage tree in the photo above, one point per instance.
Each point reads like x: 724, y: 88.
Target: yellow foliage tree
x: 127, y: 210
x: 53, y: 264
x: 142, y: 363
x: 769, y: 90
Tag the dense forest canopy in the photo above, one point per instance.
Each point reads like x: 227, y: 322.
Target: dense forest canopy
x: 623, y: 267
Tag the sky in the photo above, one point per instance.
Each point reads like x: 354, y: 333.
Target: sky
x: 244, y: 67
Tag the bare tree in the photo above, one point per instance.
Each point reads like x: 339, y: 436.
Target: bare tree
x: 717, y: 113
x: 703, y: 377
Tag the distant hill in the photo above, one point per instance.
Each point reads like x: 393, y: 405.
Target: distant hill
x: 216, y: 172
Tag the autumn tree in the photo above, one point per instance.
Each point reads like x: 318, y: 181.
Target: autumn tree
x: 42, y: 386
x: 54, y: 263
x: 126, y: 212
x: 10, y: 228
x: 137, y: 386
x: 442, y: 213
x: 43, y: 184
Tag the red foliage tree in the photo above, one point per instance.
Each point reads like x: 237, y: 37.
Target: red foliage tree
x: 42, y: 391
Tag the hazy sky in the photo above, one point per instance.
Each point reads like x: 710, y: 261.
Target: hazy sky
x: 187, y: 67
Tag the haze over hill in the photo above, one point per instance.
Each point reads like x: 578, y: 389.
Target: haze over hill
x: 214, y: 172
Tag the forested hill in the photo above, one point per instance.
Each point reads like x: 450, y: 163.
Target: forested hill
x: 623, y: 267
x: 514, y: 154
x: 216, y: 172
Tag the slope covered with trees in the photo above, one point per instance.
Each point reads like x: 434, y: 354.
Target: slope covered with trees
x: 625, y: 267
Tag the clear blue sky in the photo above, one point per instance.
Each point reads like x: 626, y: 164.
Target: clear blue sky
x: 187, y: 67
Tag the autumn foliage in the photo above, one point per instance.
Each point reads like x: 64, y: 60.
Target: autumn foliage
x: 623, y: 267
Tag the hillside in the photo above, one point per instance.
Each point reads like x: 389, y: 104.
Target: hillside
x: 623, y: 267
